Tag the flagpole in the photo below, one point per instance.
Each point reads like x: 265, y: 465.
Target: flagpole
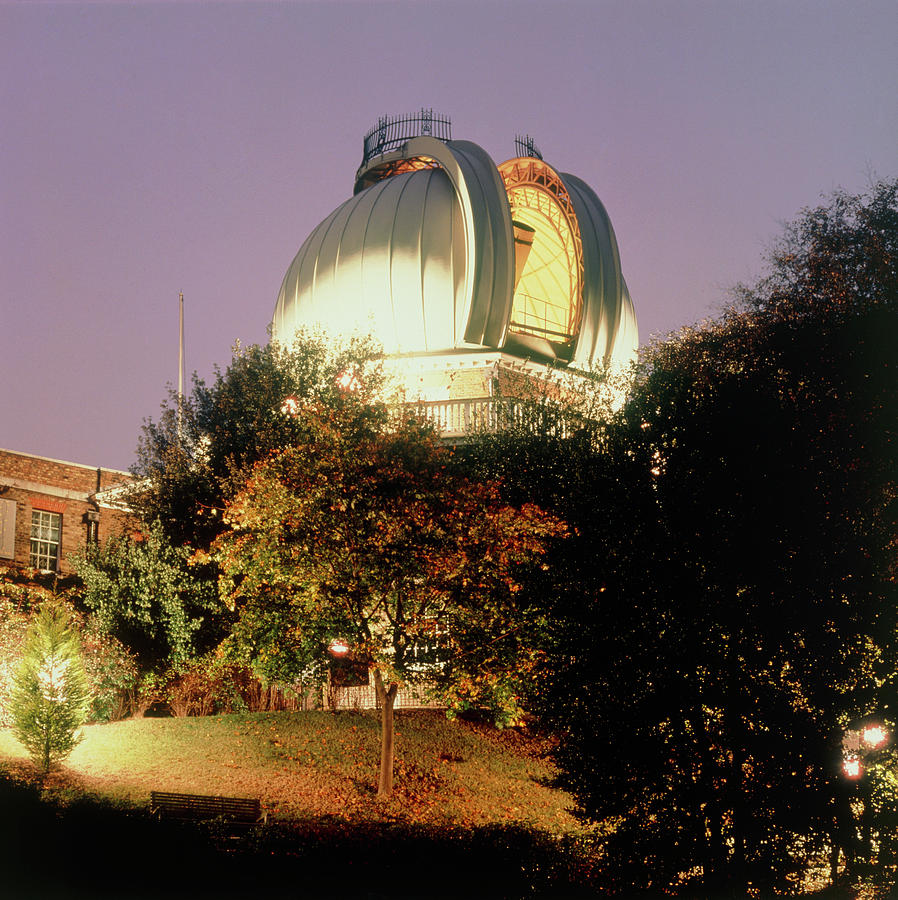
x: 180, y: 360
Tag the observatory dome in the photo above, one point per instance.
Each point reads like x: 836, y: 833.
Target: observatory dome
x: 440, y: 251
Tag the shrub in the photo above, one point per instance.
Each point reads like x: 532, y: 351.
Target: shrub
x: 13, y: 627
x: 197, y: 690
x: 111, y: 672
x: 493, y: 696
x: 110, y: 668
x: 214, y: 684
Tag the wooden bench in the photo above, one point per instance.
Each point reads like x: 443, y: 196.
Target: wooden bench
x: 235, y: 811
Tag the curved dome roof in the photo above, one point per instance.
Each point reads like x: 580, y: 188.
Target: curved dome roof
x: 441, y: 251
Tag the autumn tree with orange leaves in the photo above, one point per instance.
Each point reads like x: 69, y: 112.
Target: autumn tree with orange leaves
x: 364, y: 532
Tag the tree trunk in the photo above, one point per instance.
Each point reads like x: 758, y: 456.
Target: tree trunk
x: 387, y: 697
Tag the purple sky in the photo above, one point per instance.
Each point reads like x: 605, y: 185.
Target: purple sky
x: 152, y: 148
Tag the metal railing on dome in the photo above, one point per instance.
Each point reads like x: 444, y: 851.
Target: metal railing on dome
x: 525, y: 146
x: 391, y: 132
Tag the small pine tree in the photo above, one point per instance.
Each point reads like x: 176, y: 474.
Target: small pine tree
x: 51, y: 698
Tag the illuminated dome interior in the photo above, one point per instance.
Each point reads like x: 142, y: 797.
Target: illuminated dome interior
x: 548, y: 294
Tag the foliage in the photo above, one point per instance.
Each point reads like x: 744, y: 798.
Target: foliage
x: 143, y: 592
x: 158, y: 596
x: 203, y: 447
x: 14, y: 619
x: 365, y: 534
x: 111, y: 670
x: 496, y: 695
x: 213, y: 684
x: 200, y: 689
x: 729, y: 601
x: 51, y: 697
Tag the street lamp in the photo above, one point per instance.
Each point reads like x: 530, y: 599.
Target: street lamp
x: 857, y: 742
x: 859, y: 748
x: 874, y: 736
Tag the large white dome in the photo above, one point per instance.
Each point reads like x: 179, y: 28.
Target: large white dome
x: 440, y: 251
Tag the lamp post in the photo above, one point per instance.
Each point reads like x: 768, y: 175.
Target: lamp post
x: 858, y: 745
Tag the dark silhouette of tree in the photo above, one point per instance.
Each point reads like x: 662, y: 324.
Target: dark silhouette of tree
x: 728, y: 605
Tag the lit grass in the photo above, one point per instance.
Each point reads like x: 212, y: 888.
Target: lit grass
x: 318, y: 764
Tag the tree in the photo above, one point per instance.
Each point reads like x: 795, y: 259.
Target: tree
x: 144, y: 592
x: 204, y: 445
x: 742, y: 613
x: 50, y: 698
x: 363, y: 533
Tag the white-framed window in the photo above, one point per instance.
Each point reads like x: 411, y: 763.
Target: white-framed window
x: 46, y: 528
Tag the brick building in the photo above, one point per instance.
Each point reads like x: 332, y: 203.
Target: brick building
x: 50, y: 509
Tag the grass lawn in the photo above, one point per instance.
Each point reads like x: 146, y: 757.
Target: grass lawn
x: 318, y: 764
x: 472, y: 815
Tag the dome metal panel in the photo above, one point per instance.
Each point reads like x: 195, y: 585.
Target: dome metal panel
x: 383, y: 263
x: 608, y: 330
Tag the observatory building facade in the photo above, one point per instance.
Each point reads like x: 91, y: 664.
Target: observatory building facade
x: 461, y: 268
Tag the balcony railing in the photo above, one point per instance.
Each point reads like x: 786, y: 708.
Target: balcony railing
x: 461, y: 418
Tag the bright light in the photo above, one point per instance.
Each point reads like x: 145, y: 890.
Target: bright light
x: 348, y: 381
x: 290, y: 406
x: 874, y: 735
x: 338, y: 647
x: 851, y: 766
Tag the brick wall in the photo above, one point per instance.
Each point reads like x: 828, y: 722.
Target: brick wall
x: 73, y: 492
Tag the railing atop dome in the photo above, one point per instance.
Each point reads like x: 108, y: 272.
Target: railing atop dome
x: 391, y: 132
x: 525, y: 146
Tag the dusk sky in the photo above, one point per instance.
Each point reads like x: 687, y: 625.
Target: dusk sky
x: 157, y: 147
